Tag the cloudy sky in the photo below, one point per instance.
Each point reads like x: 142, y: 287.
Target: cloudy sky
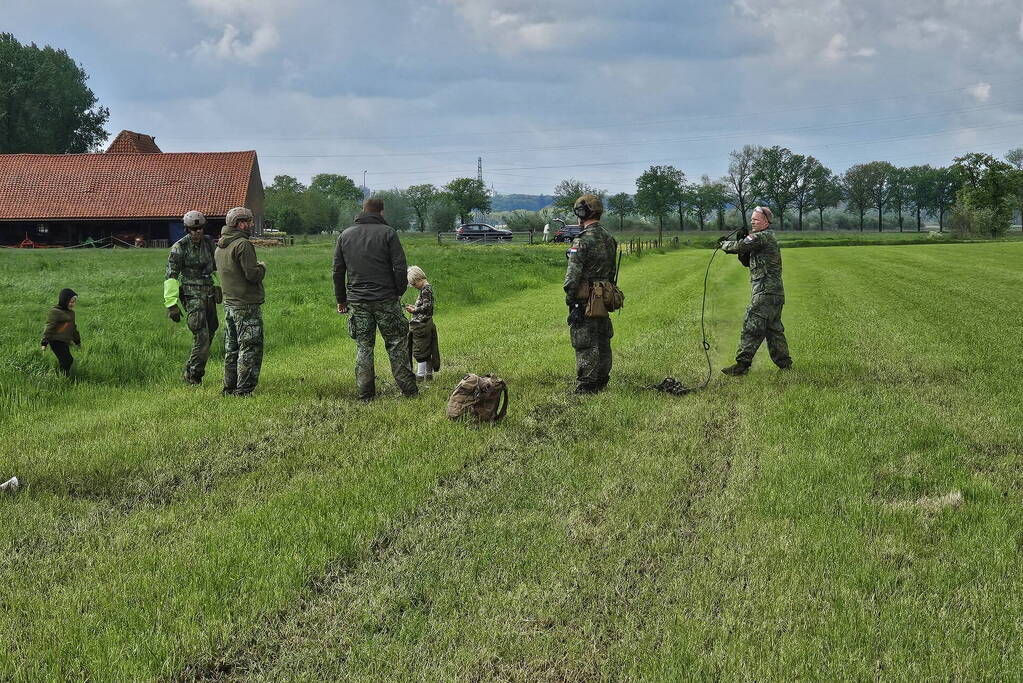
x: 413, y: 91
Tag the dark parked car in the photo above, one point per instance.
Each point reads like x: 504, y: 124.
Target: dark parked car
x: 481, y: 231
x: 567, y: 233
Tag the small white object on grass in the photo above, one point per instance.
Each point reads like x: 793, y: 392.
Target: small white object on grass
x: 10, y: 485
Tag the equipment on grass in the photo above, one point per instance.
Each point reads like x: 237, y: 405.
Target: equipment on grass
x: 670, y: 384
x: 479, y: 397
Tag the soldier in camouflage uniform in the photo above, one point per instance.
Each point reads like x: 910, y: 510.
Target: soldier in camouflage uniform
x: 242, y: 276
x: 369, y: 278
x: 761, y: 252
x: 590, y: 259
x: 191, y: 282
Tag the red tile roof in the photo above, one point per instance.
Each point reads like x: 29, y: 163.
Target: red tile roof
x: 118, y: 186
x: 130, y: 142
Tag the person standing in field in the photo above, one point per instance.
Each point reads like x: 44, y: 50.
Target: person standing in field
x: 425, y: 348
x: 369, y: 278
x: 591, y: 259
x: 61, y: 331
x: 546, y: 231
x: 191, y: 282
x: 241, y: 276
x: 760, y: 251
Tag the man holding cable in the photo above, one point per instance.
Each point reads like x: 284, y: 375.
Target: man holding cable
x: 759, y: 250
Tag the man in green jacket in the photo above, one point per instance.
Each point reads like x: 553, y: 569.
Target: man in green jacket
x: 590, y: 259
x: 370, y: 275
x: 241, y: 277
x: 191, y: 282
x: 761, y: 251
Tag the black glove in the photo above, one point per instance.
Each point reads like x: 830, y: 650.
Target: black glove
x: 174, y: 313
x: 742, y: 234
x: 576, y: 314
x: 722, y: 239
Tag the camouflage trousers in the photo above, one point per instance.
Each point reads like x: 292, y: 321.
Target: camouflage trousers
x: 591, y: 339
x: 363, y: 322
x: 243, y: 348
x: 201, y: 316
x: 763, y: 321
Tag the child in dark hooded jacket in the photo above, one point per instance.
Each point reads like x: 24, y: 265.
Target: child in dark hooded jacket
x: 60, y: 331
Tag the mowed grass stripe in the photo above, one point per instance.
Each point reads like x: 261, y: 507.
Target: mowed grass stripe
x: 159, y: 549
x: 542, y: 382
x: 710, y: 542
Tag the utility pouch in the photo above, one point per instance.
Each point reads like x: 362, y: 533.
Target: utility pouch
x: 595, y: 307
x: 614, y: 298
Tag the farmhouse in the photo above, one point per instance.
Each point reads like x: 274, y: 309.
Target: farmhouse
x: 131, y: 191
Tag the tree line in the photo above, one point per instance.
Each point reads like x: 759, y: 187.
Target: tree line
x: 333, y: 201
x: 979, y: 192
x: 976, y: 194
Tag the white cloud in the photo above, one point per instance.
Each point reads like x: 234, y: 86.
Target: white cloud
x: 837, y: 50
x: 232, y: 47
x: 520, y: 25
x: 981, y: 91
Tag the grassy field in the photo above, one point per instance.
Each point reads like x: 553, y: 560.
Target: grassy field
x: 779, y: 525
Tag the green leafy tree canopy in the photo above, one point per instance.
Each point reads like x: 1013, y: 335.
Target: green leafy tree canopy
x: 45, y: 106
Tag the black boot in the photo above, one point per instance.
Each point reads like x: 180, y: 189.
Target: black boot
x: 736, y: 370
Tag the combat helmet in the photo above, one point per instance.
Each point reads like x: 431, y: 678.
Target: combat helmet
x: 194, y: 220
x: 238, y: 213
x: 588, y: 206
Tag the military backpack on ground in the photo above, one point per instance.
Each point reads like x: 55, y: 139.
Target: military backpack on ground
x: 481, y: 397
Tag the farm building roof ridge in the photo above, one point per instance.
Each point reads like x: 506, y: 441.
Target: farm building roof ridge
x: 128, y: 142
x: 122, y: 185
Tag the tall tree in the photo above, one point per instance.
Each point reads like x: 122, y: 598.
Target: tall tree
x: 825, y: 193
x: 685, y: 195
x: 856, y: 185
x: 45, y: 106
x: 947, y: 182
x: 283, y: 204
x: 808, y: 170
x: 707, y: 196
x: 336, y: 188
x: 774, y: 175
x: 421, y: 198
x: 900, y: 199
x: 740, y: 170
x: 621, y: 205
x: 467, y: 194
x: 656, y: 193
x: 918, y: 189
x: 569, y: 190
x: 881, y: 180
x: 989, y: 185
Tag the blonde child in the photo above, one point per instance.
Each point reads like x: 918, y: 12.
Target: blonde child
x: 421, y: 328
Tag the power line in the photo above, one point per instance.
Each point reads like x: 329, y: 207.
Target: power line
x: 703, y: 138
x: 622, y: 124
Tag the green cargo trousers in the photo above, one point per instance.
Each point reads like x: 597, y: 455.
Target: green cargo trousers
x: 243, y: 348
x: 365, y: 318
x: 201, y: 315
x: 763, y: 321
x: 591, y: 339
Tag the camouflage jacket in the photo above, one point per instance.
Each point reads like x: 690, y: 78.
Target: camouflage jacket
x: 424, y: 305
x: 190, y: 263
x: 591, y: 258
x: 764, y: 261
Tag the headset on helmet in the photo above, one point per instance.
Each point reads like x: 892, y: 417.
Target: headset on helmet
x: 194, y: 220
x: 588, y: 206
